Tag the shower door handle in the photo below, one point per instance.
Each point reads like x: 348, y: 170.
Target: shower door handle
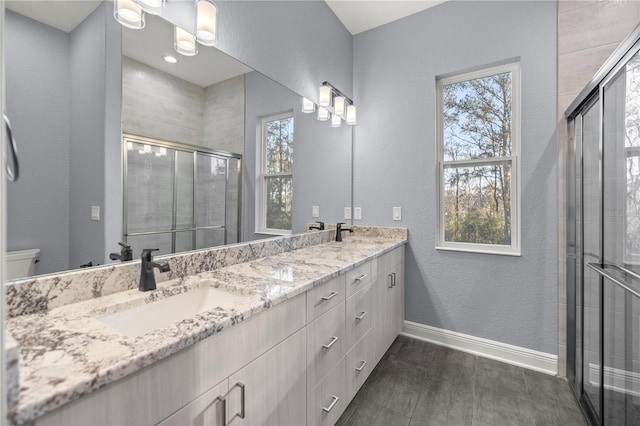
x: 601, y: 269
x: 11, y: 164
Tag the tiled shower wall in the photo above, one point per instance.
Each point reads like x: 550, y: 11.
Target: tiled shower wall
x: 158, y: 105
x: 588, y: 32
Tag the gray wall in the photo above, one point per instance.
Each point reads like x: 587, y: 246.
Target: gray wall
x: 507, y: 299
x: 224, y: 115
x: 37, y: 103
x: 94, y: 98
x: 321, y: 157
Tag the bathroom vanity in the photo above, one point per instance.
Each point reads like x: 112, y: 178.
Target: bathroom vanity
x: 280, y: 331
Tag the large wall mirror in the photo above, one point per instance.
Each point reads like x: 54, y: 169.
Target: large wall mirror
x: 117, y: 144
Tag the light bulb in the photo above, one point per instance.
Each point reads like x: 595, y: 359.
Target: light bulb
x: 351, y: 114
x: 206, y: 22
x: 185, y: 43
x: 336, y: 121
x: 129, y: 14
x: 323, y: 114
x: 307, y: 106
x: 338, y: 105
x: 325, y: 96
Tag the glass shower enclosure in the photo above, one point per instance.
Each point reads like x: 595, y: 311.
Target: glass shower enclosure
x: 179, y: 197
x: 603, y: 241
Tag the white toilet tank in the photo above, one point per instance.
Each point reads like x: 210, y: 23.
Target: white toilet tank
x: 22, y: 263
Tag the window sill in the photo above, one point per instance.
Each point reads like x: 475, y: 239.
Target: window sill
x: 515, y: 253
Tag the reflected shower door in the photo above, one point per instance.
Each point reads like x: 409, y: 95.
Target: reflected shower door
x: 211, y: 203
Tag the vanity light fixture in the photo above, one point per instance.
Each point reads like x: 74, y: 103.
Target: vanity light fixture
x: 307, y: 106
x: 154, y: 7
x: 170, y: 59
x: 185, y: 43
x: 129, y: 14
x: 337, y: 103
x: 206, y: 22
x: 323, y: 114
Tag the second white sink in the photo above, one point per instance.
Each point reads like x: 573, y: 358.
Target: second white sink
x: 143, y: 319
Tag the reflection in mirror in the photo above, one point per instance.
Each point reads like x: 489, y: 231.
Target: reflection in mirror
x: 80, y: 88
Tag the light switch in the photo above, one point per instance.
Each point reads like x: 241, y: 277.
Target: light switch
x: 357, y: 213
x: 397, y: 213
x: 315, y: 211
x: 95, y: 212
x: 347, y: 212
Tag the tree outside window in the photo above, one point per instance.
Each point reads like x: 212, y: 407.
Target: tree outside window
x: 277, y: 173
x: 478, y: 150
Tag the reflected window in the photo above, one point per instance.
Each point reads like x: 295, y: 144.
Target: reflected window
x: 276, y: 177
x: 632, y: 162
x: 478, y: 146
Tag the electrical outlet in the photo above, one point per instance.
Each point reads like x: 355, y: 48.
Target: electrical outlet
x: 347, y: 212
x: 397, y: 213
x: 95, y: 212
x: 315, y: 211
x: 357, y: 213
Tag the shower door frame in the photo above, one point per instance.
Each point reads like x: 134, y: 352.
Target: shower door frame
x: 593, y: 93
x: 195, y: 150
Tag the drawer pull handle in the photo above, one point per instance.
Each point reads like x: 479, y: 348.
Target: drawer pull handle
x: 224, y: 407
x: 330, y: 296
x: 241, y: 414
x: 362, y: 315
x: 333, y: 340
x: 394, y: 278
x: 359, y: 369
x: 361, y: 277
x: 333, y: 403
x: 390, y: 281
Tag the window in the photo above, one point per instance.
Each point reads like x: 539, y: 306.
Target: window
x: 276, y: 174
x: 478, y: 149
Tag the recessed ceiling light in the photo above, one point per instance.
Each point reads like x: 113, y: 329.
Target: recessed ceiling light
x: 170, y: 59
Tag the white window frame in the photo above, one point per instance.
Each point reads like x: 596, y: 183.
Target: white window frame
x: 261, y: 225
x: 514, y: 249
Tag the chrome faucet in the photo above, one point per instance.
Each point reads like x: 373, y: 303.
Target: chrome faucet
x: 340, y: 230
x: 319, y: 226
x: 147, y: 277
x: 125, y: 253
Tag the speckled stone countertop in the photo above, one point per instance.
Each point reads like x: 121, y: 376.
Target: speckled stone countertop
x: 67, y: 352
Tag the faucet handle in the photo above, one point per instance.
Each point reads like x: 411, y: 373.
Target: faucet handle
x: 124, y: 245
x: 147, y: 254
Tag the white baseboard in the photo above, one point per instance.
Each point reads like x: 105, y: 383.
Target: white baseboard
x: 522, y: 357
x: 615, y: 379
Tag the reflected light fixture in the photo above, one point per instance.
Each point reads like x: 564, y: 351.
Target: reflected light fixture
x: 323, y: 114
x: 307, y: 106
x: 336, y: 121
x: 129, y: 14
x: 206, y: 22
x: 154, y: 7
x: 338, y: 105
x: 170, y: 59
x: 324, y: 99
x: 185, y: 43
x: 351, y: 114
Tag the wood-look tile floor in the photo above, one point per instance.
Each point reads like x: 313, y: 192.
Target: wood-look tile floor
x: 418, y: 383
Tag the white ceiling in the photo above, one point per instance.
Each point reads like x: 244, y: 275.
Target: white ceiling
x: 63, y: 15
x: 362, y: 15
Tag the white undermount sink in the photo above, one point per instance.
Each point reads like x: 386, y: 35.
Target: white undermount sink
x: 139, y: 320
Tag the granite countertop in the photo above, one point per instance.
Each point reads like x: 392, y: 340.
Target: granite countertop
x: 66, y: 352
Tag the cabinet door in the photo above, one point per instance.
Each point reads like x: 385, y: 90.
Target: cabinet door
x: 272, y: 389
x: 210, y: 409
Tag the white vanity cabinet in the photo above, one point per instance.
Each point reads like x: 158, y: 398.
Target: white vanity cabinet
x: 300, y: 362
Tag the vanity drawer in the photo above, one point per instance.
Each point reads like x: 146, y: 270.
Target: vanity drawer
x: 209, y: 409
x: 324, y: 297
x: 389, y: 260
x: 327, y: 402
x: 358, y: 316
x: 358, y: 278
x: 359, y: 364
x: 325, y: 344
